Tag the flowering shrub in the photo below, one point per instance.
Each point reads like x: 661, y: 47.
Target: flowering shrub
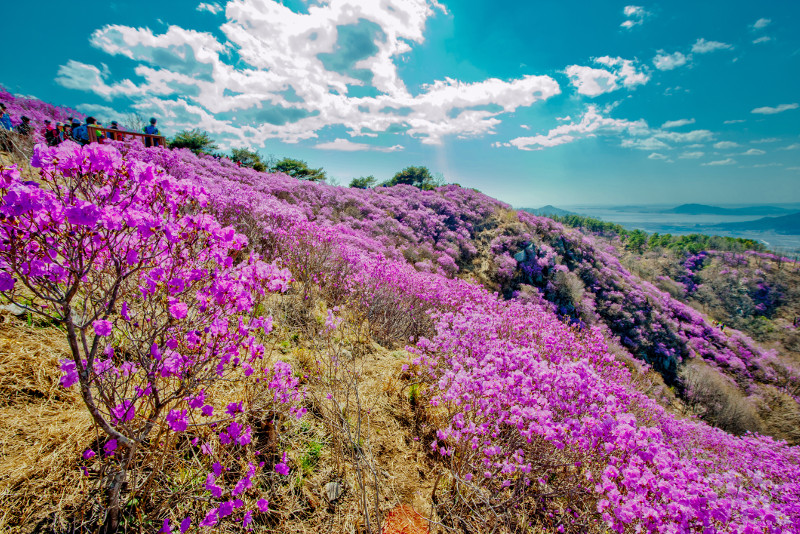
x: 538, y: 418
x: 157, y: 300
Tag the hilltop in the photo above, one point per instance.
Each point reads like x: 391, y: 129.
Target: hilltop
x: 703, y: 209
x: 786, y: 224
x: 204, y: 344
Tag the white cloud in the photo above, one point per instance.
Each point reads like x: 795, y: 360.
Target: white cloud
x: 626, y: 70
x: 753, y: 152
x: 677, y: 123
x: 692, y: 155
x: 345, y: 145
x: 524, y: 126
x: 664, y: 61
x: 766, y: 110
x: 734, y: 121
x: 726, y: 145
x: 659, y: 156
x: 297, y: 73
x: 726, y: 161
x: 592, y: 82
x: 764, y: 39
x: 766, y: 140
x: 634, y: 16
x: 703, y: 47
x: 212, y: 7
x: 761, y: 23
x: 590, y: 125
x: 562, y: 119
x: 793, y: 146
x: 619, y: 73
x: 100, y: 112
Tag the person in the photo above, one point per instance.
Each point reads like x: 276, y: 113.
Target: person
x: 81, y: 133
x: 113, y: 135
x: 151, y: 129
x: 24, y: 128
x: 74, y: 125
x: 50, y: 134
x: 61, y: 133
x: 5, y: 119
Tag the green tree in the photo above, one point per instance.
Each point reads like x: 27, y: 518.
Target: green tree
x: 636, y: 241
x: 365, y: 182
x: 196, y: 140
x: 298, y: 169
x: 417, y: 176
x: 248, y: 158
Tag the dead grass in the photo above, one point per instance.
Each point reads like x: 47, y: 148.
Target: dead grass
x: 44, y: 429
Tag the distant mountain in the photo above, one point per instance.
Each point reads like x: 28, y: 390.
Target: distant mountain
x: 703, y: 209
x: 548, y: 211
x: 787, y: 224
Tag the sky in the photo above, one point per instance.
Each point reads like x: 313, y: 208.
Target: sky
x: 534, y: 103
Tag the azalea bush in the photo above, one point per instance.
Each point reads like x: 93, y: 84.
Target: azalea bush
x: 159, y: 305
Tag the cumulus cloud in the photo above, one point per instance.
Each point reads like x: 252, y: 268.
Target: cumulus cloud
x: 345, y: 145
x: 592, y: 82
x: 753, y: 152
x: 590, y: 125
x: 103, y: 113
x: 766, y: 110
x: 761, y: 23
x: 618, y: 73
x: 762, y: 39
x: 664, y: 61
x: 726, y: 161
x: 793, y: 146
x: 659, y: 156
x: 692, y: 155
x: 212, y: 8
x: 278, y: 73
x: 725, y: 145
x: 703, y: 47
x: 632, y: 134
x: 634, y: 16
x: 677, y: 123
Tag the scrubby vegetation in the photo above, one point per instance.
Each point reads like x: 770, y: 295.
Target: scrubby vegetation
x: 230, y: 349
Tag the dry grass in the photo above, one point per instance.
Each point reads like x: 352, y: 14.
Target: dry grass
x: 44, y: 429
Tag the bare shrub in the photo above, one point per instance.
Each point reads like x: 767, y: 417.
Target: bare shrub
x: 717, y: 400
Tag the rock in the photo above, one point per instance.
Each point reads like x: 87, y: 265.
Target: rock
x: 333, y: 490
x: 13, y: 309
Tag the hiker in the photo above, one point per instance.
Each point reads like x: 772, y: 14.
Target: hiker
x: 81, y: 133
x: 51, y: 135
x: 74, y: 125
x: 151, y: 129
x: 113, y: 135
x: 5, y: 119
x: 24, y: 128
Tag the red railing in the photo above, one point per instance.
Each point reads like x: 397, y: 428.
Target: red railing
x: 119, y: 135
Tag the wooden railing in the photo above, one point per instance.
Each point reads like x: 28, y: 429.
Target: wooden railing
x: 119, y: 135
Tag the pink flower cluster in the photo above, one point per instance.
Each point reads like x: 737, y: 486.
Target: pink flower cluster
x: 157, y: 298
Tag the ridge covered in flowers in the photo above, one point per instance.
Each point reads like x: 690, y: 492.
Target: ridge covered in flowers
x: 159, y: 264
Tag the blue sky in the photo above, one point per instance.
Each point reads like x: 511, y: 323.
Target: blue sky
x: 533, y: 103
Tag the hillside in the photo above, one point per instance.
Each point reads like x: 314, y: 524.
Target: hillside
x: 786, y: 224
x: 703, y: 209
x: 548, y: 211
x: 212, y: 346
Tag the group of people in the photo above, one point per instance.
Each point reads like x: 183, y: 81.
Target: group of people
x: 73, y: 129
